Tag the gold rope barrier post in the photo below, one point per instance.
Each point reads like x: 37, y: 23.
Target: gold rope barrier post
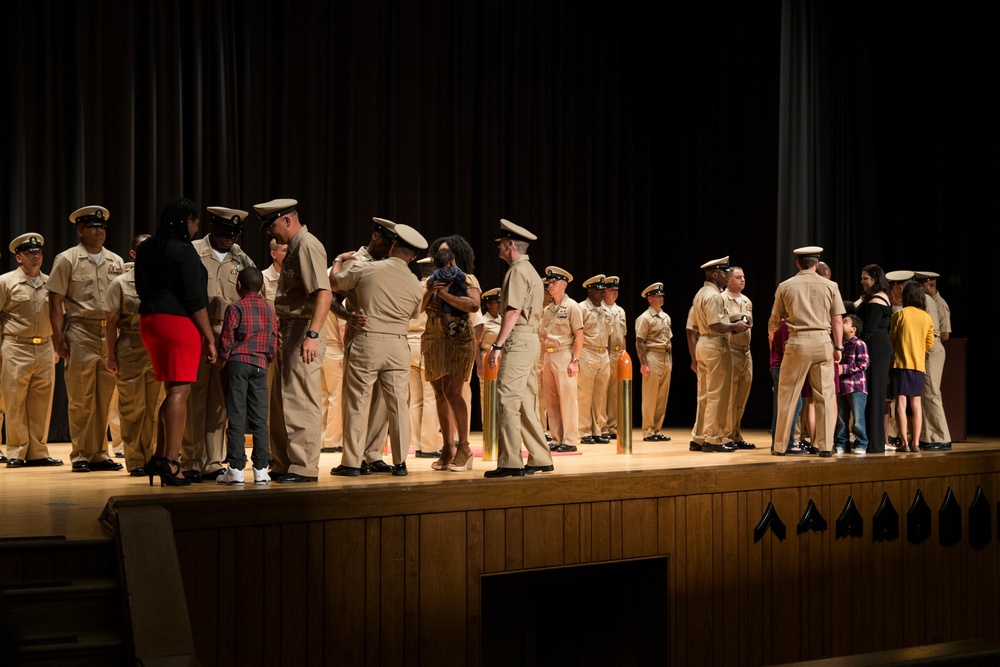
x: 491, y: 429
x: 624, y: 375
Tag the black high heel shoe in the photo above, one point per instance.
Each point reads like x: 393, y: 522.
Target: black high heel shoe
x: 167, y: 478
x: 153, y: 466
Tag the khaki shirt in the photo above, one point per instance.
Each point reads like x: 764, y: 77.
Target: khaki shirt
x: 124, y: 300
x: 931, y: 307
x: 742, y: 306
x: 389, y: 294
x: 690, y: 320
x: 414, y: 332
x: 491, y: 329
x: 82, y: 282
x: 709, y: 308
x: 596, y: 324
x: 303, y: 273
x: 24, y: 308
x: 619, y: 327
x: 522, y: 290
x: 350, y: 297
x: 331, y: 330
x: 653, y: 328
x: 807, y: 301
x: 270, y: 290
x: 560, y: 322
x: 221, y: 276
x: 944, y: 314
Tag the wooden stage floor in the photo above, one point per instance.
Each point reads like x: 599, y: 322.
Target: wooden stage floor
x: 51, y: 502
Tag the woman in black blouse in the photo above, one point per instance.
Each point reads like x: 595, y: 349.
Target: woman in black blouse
x: 173, y: 290
x: 875, y: 311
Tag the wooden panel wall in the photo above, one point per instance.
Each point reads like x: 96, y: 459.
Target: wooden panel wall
x: 404, y: 588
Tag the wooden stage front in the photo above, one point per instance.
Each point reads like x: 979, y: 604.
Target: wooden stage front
x: 646, y: 555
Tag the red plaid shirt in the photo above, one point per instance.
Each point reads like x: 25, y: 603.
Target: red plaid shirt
x: 854, y: 362
x: 249, y: 332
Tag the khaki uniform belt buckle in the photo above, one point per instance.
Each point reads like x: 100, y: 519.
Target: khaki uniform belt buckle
x: 550, y: 350
x: 36, y: 341
x: 601, y: 349
x: 104, y: 323
x: 618, y: 348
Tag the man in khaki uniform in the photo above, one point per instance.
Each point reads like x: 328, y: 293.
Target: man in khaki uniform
x: 595, y: 365
x: 712, y: 356
x: 425, y: 428
x: 27, y: 376
x: 345, y: 307
x: 652, y: 346
x: 539, y: 370
x: 301, y: 304
x: 138, y: 391
x: 739, y: 308
x: 80, y: 278
x: 333, y: 385
x: 619, y: 327
x: 390, y: 296
x: 273, y: 272
x: 521, y: 310
x: 563, y: 324
x: 812, y: 307
x: 203, y: 450
x: 935, y: 434
x: 487, y: 330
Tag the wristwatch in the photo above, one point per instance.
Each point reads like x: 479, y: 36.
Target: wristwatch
x: 496, y: 347
x: 312, y: 334
x: 575, y: 361
x: 839, y: 349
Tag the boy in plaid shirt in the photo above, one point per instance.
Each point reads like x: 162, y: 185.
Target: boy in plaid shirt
x: 853, y: 395
x: 249, y: 342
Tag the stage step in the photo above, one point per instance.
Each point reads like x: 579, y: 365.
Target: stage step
x: 63, y: 600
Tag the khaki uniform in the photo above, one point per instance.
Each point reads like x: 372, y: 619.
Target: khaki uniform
x: 595, y: 369
x: 714, y: 368
x: 89, y: 384
x: 333, y: 384
x: 27, y: 375
x: 296, y: 424
x: 379, y: 355
x: 935, y: 423
x: 742, y: 364
x: 139, y: 393
x: 491, y: 329
x: 807, y: 302
x: 378, y: 416
x: 425, y: 428
x: 516, y: 388
x: 560, y: 321
x: 619, y: 327
x: 654, y: 330
x: 204, y: 444
x: 269, y: 291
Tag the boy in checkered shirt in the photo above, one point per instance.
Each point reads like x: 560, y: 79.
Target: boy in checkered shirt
x: 853, y: 395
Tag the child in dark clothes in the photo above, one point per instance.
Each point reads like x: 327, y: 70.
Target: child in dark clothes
x: 446, y: 272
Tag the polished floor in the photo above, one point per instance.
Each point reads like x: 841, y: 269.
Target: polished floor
x: 54, y: 502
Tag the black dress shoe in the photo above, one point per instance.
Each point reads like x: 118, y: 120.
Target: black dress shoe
x: 48, y: 461
x: 588, y: 440
x: 531, y: 470
x: 3, y: 459
x: 427, y: 455
x: 15, y: 463
x: 825, y: 455
x: 137, y: 472
x: 345, y: 471
x: 380, y: 466
x: 119, y: 455
x: 327, y: 450
x: 564, y: 448
x: 293, y: 478
x: 81, y: 466
x: 743, y: 444
x: 275, y: 476
x: 504, y: 472
x: 603, y: 439
x: 725, y: 447
x: 613, y: 436
x: 650, y: 438
x: 935, y: 446
x: 694, y: 446
x: 365, y: 469
x: 107, y: 465
x: 212, y: 476
x: 399, y: 469
x: 777, y: 453
x: 548, y: 438
x: 192, y: 475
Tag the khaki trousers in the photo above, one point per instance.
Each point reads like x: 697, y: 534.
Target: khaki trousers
x: 561, y: 404
x: 592, y: 395
x: 204, y: 444
x: 115, y: 424
x: 27, y: 380
x: 378, y: 416
x: 138, y: 399
x: 807, y: 354
x: 935, y: 426
x: 89, y: 386
x: 516, y: 399
x: 296, y: 426
x: 376, y: 360
x: 655, y: 390
x: 425, y: 430
x: 742, y: 363
x: 333, y: 387
x: 613, y: 387
x: 714, y: 379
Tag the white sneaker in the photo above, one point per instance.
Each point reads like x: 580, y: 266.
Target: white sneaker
x: 261, y: 476
x: 231, y: 476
